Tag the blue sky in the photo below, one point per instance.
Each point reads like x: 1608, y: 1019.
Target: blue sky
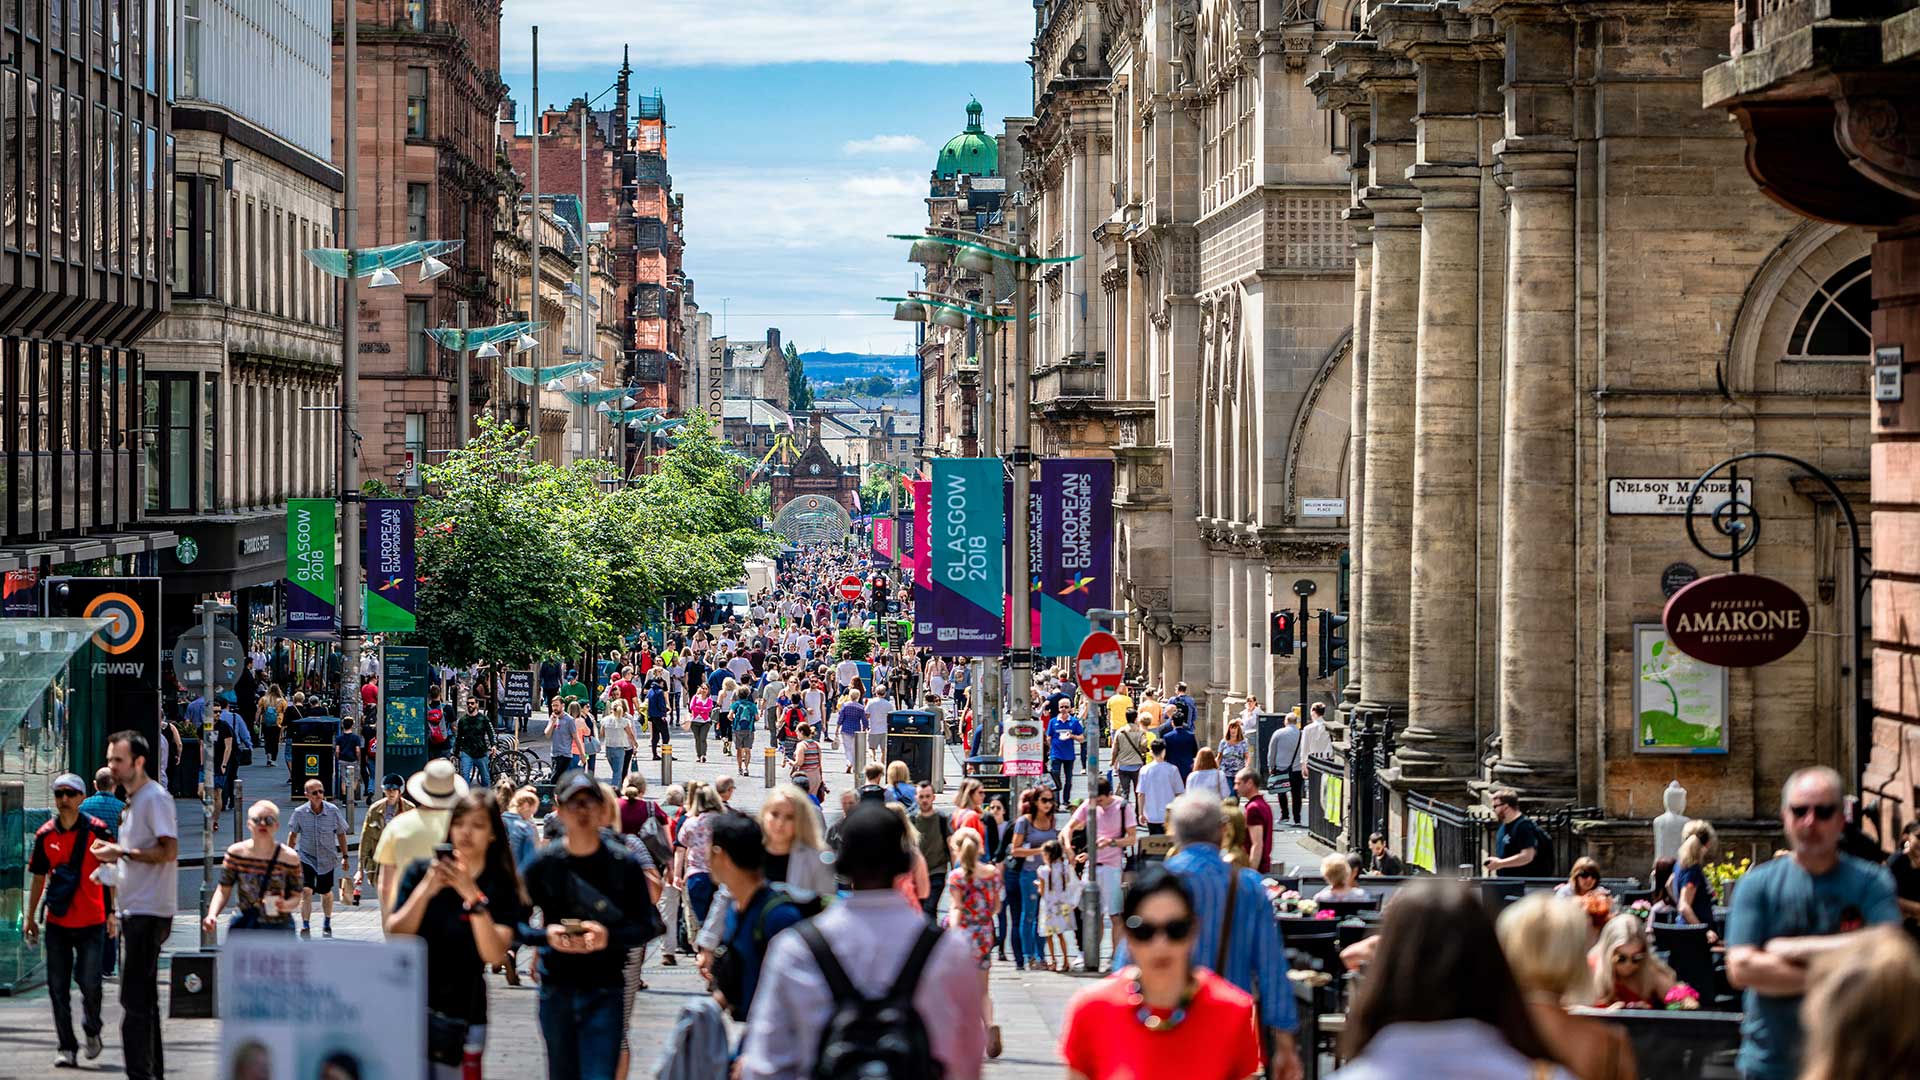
x: 801, y: 136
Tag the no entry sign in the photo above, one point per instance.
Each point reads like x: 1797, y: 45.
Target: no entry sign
x: 850, y: 587
x: 1099, y: 665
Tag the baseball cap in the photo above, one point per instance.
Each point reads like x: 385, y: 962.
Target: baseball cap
x: 67, y: 781
x: 394, y: 782
x: 573, y: 783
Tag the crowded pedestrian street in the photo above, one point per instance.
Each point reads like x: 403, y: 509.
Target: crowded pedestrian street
x: 1232, y: 540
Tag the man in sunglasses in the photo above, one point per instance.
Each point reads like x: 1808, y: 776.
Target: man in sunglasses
x: 1788, y: 911
x: 77, y: 908
x: 1521, y: 848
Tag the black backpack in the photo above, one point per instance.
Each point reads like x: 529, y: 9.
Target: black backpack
x: 882, y: 1038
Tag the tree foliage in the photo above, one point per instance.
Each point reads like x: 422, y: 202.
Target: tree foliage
x: 799, y: 391
x: 521, y: 560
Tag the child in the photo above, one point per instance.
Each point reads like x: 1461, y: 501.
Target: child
x: 1059, y: 896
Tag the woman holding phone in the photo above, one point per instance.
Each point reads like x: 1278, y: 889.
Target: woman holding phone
x: 463, y: 902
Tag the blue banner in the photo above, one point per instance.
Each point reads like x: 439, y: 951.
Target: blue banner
x: 969, y: 526
x: 1076, y: 566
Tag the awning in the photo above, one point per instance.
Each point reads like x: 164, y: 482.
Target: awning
x: 31, y: 654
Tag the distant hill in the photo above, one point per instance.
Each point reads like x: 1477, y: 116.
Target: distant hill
x: 835, y: 367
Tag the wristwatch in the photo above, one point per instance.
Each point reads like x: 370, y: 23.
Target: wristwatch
x: 472, y: 907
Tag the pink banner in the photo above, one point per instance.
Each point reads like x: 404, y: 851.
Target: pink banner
x: 922, y: 531
x: 883, y: 537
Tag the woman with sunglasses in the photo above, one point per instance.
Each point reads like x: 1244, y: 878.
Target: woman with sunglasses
x: 1031, y: 832
x: 260, y: 874
x: 1162, y: 1015
x: 1626, y: 973
x: 1583, y: 881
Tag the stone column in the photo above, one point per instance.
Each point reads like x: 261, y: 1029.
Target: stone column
x: 1436, y: 751
x: 1387, y: 531
x: 1362, y: 223
x: 1220, y: 645
x: 1236, y: 626
x: 1537, y: 614
x: 1259, y: 602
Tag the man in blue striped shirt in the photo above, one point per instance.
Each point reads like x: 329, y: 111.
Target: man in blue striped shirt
x: 1256, y: 956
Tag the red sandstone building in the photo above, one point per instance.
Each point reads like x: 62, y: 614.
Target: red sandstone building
x: 429, y: 88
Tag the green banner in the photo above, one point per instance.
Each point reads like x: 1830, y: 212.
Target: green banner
x: 310, y: 564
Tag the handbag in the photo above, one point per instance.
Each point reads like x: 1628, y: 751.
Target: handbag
x: 252, y: 918
x: 63, y: 885
x: 446, y: 1038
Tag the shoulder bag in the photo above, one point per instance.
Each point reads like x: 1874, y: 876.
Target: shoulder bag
x: 251, y: 918
x: 63, y: 885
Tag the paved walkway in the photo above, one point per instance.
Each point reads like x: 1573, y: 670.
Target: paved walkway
x: 1029, y: 1005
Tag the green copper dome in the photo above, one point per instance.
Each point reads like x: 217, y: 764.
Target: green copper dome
x: 972, y: 152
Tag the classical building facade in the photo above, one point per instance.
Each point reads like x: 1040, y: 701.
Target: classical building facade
x: 243, y: 376
x: 1204, y: 338
x: 1829, y: 136
x: 1567, y: 304
x: 429, y: 92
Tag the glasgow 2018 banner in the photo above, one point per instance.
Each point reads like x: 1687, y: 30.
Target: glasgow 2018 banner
x: 310, y: 567
x: 883, y: 537
x: 922, y: 564
x: 390, y: 565
x: 969, y: 525
x: 1076, y: 569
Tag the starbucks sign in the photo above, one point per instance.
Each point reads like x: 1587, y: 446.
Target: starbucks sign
x: 1736, y: 620
x: 186, y: 551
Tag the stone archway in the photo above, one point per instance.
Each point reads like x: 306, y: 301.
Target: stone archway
x: 813, y: 519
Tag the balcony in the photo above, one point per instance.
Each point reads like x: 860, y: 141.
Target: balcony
x: 650, y: 234
x: 651, y: 168
x: 1074, y: 383
x: 649, y: 366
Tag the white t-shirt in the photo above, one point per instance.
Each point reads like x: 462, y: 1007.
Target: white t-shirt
x: 846, y: 672
x: 1160, y: 784
x: 148, y: 888
x: 877, y: 710
x: 739, y: 665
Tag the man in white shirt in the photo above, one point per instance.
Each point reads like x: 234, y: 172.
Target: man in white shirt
x: 1315, y: 739
x: 878, y: 707
x: 739, y: 665
x: 148, y: 897
x: 1160, y: 784
x: 845, y: 672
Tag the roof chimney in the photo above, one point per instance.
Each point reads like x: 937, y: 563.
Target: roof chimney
x: 773, y: 338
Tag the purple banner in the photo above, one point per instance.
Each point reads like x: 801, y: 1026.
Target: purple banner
x: 391, y: 580
x: 1076, y: 566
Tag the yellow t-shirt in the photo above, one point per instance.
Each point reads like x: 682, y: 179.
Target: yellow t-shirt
x: 1117, y: 708
x: 412, y: 836
x: 1150, y: 715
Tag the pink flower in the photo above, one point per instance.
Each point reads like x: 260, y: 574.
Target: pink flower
x: 1324, y: 914
x: 1682, y: 998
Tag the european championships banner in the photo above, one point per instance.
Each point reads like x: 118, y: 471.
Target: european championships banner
x: 310, y: 570
x: 968, y: 575
x: 390, y: 565
x: 922, y: 564
x: 1076, y: 566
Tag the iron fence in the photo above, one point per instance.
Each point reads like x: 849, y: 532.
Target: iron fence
x: 1442, y: 837
x: 1326, y: 797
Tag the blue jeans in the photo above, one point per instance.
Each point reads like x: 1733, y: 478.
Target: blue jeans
x: 477, y: 770
x: 700, y: 895
x: 1061, y: 769
x: 1027, y: 942
x: 582, y: 1028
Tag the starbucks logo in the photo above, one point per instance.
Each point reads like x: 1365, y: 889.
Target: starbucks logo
x: 187, y: 551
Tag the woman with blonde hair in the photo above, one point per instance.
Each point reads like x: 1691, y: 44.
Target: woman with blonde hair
x: 976, y: 892
x: 900, y: 785
x: 1691, y: 891
x: 1339, y: 874
x: 1626, y: 973
x: 1546, y: 945
x: 1236, y: 842
x: 1859, y: 1009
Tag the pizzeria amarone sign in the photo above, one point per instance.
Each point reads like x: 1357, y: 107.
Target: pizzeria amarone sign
x: 1736, y: 620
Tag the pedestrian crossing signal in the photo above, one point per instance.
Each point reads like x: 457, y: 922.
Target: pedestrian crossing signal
x: 1280, y: 633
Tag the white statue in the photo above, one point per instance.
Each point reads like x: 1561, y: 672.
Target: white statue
x: 1668, y: 827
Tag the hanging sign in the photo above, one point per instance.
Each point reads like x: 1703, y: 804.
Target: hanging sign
x: 389, y: 559
x: 1076, y: 568
x: 969, y: 528
x: 310, y: 570
x: 922, y: 564
x: 1736, y: 620
x: 883, y: 537
x: 1022, y: 746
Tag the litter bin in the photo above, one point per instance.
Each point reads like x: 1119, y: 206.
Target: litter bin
x: 913, y: 736
x: 311, y: 753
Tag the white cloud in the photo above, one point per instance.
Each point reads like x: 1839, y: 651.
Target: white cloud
x: 740, y: 33
x: 885, y: 144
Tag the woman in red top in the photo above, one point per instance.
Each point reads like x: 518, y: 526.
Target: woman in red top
x: 1162, y: 1016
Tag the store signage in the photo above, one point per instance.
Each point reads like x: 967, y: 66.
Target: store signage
x: 1736, y: 620
x: 1657, y: 495
x: 516, y: 694
x: 391, y: 603
x: 1323, y: 508
x: 969, y: 528
x: 1076, y: 557
x: 291, y: 1010
x: 310, y: 564
x: 254, y: 545
x: 1677, y: 576
x: 1022, y: 744
x: 186, y: 551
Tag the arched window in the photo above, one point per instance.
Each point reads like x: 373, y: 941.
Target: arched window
x: 1837, y: 322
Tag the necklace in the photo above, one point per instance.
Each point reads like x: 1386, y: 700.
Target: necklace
x: 1146, y: 1017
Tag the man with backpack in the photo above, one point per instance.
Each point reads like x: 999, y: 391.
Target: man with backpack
x: 868, y: 987
x: 759, y: 909
x: 79, y: 914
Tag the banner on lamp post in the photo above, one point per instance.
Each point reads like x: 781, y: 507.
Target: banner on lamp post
x: 389, y: 559
x: 883, y: 538
x: 1076, y: 571
x: 969, y: 526
x: 922, y: 564
x: 310, y: 564
x: 1035, y: 514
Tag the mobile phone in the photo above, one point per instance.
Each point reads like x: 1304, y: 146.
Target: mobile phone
x: 572, y: 926
x: 443, y: 851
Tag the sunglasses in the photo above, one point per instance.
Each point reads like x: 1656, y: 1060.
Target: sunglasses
x: 264, y: 822
x: 1820, y: 811
x: 1588, y: 875
x: 1635, y: 958
x: 1175, y: 931
x: 63, y: 793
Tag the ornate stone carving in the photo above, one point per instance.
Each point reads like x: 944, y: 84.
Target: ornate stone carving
x: 1302, y: 552
x: 1154, y: 598
x: 1113, y: 278
x: 1881, y: 137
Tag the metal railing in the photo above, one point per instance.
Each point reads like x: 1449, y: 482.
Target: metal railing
x: 1326, y: 798
x: 1441, y: 837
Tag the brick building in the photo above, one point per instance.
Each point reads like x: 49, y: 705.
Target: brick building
x: 429, y: 75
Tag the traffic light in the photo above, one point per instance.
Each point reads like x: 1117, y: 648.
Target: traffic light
x: 1280, y: 633
x: 1333, y: 643
x: 877, y: 594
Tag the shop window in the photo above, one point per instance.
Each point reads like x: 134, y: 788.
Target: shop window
x: 170, y: 455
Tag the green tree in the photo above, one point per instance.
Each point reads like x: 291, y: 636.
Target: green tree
x: 799, y: 393
x: 853, y: 643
